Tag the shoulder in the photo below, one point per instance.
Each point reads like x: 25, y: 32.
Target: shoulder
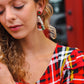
x: 75, y: 59
x: 71, y: 63
x: 62, y: 52
x: 69, y: 57
x: 68, y: 51
x: 64, y: 49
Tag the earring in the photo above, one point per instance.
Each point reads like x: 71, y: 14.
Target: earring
x: 40, y: 22
x: 39, y: 13
x: 52, y: 30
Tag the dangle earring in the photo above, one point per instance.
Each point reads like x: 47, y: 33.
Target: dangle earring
x: 40, y: 22
x: 52, y: 30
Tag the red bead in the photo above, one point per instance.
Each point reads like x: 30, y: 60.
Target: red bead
x: 39, y: 13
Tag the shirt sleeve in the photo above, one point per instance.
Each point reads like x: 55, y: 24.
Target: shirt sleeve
x: 73, y: 72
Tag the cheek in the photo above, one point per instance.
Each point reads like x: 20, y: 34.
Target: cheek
x: 29, y: 18
x: 29, y: 13
x: 2, y: 21
x: 31, y: 21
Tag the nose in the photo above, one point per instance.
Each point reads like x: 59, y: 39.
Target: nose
x: 10, y: 16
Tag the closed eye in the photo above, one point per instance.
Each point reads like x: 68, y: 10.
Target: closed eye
x: 19, y: 7
x: 1, y: 12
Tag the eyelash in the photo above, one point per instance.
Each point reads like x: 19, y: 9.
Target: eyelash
x: 1, y: 12
x: 19, y: 7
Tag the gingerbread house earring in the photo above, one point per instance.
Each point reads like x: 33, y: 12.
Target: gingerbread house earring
x: 40, y: 22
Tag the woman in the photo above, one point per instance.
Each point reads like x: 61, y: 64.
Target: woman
x: 27, y: 56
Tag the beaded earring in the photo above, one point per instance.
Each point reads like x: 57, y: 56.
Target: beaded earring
x: 40, y: 22
x: 52, y: 30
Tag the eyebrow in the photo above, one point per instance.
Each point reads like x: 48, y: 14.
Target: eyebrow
x: 8, y: 2
x: 13, y: 1
x: 20, y: 0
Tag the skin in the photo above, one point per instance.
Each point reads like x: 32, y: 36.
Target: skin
x: 5, y: 76
x: 31, y: 39
x: 13, y: 16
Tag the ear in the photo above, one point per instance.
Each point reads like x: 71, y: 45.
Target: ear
x: 41, y: 5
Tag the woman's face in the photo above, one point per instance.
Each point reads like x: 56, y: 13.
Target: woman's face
x: 19, y: 17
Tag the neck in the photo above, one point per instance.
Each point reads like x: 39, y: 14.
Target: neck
x: 34, y: 42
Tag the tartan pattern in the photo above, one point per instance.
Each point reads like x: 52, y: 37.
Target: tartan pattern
x: 66, y: 67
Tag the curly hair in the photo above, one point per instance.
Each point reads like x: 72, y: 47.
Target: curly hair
x: 12, y: 54
x: 11, y: 49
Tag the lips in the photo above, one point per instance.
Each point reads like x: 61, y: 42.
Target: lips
x: 15, y: 27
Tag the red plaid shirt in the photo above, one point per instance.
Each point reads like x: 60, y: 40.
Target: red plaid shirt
x: 66, y: 67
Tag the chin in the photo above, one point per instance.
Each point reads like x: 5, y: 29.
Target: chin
x: 18, y: 37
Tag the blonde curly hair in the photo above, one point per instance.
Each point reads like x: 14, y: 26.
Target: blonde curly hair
x: 11, y: 49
